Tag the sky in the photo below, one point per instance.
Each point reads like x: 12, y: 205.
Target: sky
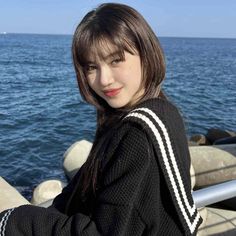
x: 171, y: 18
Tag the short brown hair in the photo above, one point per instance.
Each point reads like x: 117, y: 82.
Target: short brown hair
x: 125, y: 28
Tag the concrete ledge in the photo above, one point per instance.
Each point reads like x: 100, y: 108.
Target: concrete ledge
x: 9, y: 196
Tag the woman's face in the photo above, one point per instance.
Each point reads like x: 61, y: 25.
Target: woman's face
x: 115, y: 80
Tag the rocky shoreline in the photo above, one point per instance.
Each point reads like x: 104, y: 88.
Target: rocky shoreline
x: 213, y: 158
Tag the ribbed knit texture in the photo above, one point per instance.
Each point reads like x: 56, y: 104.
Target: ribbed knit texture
x: 135, y: 195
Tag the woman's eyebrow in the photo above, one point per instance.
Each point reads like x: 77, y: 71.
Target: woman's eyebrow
x: 111, y: 55
x: 103, y: 57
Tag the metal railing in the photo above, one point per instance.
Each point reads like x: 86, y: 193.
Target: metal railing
x: 215, y: 193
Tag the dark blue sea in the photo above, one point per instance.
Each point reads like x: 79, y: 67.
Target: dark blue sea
x: 42, y: 113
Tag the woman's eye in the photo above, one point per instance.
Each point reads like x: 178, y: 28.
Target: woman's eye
x: 90, y: 68
x: 116, y: 61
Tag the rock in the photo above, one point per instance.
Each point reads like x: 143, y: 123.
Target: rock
x: 47, y: 190
x: 213, y: 164
x: 229, y: 140
x: 9, y: 196
x: 200, y: 139
x: 75, y: 156
x: 218, y: 222
x: 192, y: 143
x: 46, y: 204
x: 192, y: 175
x: 203, y: 213
x: 215, y: 134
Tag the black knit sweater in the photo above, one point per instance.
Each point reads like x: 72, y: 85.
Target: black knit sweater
x: 144, y: 186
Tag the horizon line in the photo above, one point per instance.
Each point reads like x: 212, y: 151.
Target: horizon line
x: 160, y: 36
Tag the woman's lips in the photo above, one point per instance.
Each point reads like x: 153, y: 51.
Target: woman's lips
x: 112, y: 92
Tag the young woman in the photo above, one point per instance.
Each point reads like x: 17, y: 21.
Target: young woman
x: 136, y: 179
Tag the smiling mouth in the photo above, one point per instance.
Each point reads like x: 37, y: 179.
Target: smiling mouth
x: 112, y: 92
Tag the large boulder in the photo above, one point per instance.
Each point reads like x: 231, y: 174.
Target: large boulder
x: 217, y: 222
x: 192, y: 175
x: 213, y: 164
x: 75, y: 156
x: 47, y: 190
x: 9, y: 196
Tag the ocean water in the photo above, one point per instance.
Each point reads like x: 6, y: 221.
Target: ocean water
x: 42, y: 113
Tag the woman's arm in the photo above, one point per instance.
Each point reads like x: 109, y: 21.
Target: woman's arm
x: 114, y: 210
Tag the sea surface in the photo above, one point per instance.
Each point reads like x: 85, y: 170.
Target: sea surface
x: 42, y: 113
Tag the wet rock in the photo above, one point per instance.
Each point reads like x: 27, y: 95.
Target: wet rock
x: 229, y: 140
x: 215, y: 134
x: 200, y: 139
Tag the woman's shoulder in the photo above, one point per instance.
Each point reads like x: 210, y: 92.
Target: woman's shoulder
x: 158, y: 110
x: 161, y: 106
x: 159, y: 118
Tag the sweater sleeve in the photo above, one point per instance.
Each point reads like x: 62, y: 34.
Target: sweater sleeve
x: 114, y: 210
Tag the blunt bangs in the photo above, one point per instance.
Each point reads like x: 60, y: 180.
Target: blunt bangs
x: 94, y: 45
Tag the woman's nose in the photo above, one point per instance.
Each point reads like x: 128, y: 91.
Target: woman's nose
x: 105, y: 76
